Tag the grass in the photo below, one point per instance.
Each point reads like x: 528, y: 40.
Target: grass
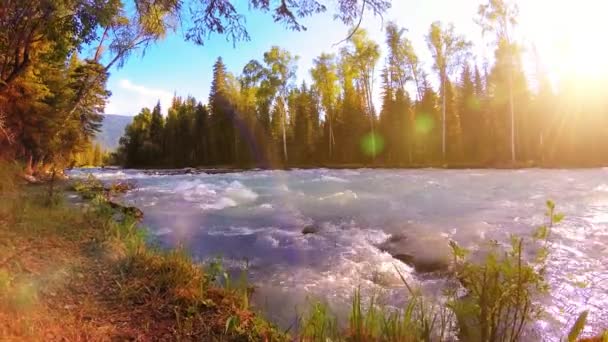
x: 419, y: 320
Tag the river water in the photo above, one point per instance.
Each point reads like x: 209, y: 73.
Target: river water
x: 256, y: 218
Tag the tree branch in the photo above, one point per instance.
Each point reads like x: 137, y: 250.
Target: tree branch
x: 354, y: 30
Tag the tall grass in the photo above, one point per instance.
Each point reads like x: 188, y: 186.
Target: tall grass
x: 419, y: 320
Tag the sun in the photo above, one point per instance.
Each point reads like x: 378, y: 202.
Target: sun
x: 585, y: 53
x: 571, y: 35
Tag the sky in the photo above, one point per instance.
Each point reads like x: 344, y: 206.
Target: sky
x: 174, y: 66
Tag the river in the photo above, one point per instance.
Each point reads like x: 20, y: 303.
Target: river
x: 256, y: 218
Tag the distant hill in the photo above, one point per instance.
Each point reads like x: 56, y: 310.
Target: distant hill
x: 113, y: 127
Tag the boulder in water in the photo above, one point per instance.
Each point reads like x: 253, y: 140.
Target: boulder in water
x: 427, y: 253
x: 310, y: 229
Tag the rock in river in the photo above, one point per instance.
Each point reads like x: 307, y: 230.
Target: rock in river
x: 426, y: 252
x: 310, y: 230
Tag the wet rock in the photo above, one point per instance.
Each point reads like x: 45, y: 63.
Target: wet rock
x: 425, y: 252
x: 118, y: 217
x: 120, y: 187
x: 129, y: 211
x: 310, y: 230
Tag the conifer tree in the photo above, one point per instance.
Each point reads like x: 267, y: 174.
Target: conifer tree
x: 221, y: 117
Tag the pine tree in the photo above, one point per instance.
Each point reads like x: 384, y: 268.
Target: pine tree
x: 303, y: 125
x: 201, y: 135
x: 427, y: 127
x: 469, y: 110
x: 387, y: 118
x: 402, y: 128
x: 221, y: 117
x: 156, y: 125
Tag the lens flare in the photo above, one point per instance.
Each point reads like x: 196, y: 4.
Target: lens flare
x: 424, y: 123
x: 372, y: 144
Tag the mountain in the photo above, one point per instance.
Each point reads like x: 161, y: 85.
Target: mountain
x: 113, y: 127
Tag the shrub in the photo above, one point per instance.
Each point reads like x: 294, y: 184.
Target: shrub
x: 499, y: 302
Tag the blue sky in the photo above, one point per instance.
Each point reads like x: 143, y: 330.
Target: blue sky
x: 173, y: 66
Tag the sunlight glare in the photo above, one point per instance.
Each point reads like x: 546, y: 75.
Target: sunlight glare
x: 573, y: 33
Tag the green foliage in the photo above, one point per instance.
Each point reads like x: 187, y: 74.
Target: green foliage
x: 500, y: 304
x: 89, y: 187
x: 52, y: 100
x: 93, y: 155
x: 259, y: 118
x: 319, y: 324
x: 418, y: 320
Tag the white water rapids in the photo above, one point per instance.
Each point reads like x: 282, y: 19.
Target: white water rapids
x: 258, y: 216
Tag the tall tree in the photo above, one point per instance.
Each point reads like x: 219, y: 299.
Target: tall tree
x: 469, y: 110
x: 280, y: 72
x: 402, y: 66
x: 448, y: 50
x: 157, y: 123
x: 222, y: 121
x: 500, y: 17
x: 325, y: 76
x: 201, y: 135
x: 365, y: 55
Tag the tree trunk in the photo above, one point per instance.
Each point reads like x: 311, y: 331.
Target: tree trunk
x: 331, y: 138
x: 512, y: 112
x: 443, y: 118
x: 51, y: 193
x: 284, y: 138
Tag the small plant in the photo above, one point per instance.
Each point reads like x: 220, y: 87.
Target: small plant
x: 319, y: 324
x: 364, y: 324
x: 216, y: 273
x: 499, y: 302
x: 89, y: 188
x: 419, y: 320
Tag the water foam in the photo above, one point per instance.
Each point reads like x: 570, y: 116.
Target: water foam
x: 260, y: 216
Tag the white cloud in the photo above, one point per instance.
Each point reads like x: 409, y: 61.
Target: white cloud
x: 129, y: 98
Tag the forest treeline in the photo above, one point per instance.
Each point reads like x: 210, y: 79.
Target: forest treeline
x: 55, y: 63
x: 56, y: 56
x: 478, y: 115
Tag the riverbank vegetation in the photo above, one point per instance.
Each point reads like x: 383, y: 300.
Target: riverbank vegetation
x: 84, y: 271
